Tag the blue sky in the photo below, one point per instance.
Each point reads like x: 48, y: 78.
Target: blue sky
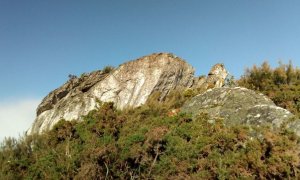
x: 41, y: 42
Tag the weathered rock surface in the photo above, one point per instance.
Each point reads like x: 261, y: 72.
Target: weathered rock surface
x: 129, y: 85
x: 74, y: 86
x: 215, y: 78
x: 241, y: 106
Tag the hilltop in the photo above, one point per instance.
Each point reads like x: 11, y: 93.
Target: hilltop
x: 129, y: 85
x: 151, y: 118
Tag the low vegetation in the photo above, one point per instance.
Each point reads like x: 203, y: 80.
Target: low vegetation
x: 107, y: 69
x: 156, y: 141
x: 281, y: 84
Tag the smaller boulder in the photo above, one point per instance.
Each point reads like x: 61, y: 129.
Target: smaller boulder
x: 215, y: 78
x: 241, y: 106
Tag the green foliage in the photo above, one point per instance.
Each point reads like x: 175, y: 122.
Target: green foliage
x: 72, y: 76
x: 107, y: 69
x: 281, y: 84
x: 189, y: 93
x: 83, y: 75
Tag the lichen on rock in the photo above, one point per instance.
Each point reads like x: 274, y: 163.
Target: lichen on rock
x: 239, y: 105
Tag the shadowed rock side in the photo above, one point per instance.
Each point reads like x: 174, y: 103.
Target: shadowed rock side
x: 241, y: 106
x: 129, y: 85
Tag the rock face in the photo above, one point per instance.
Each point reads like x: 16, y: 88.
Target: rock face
x: 215, y: 79
x: 241, y: 106
x: 129, y: 85
x: 75, y: 86
x: 216, y: 76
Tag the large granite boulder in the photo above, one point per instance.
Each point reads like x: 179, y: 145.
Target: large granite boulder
x: 128, y: 85
x: 241, y: 106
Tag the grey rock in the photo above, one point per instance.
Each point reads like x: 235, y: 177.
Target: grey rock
x: 129, y: 85
x: 74, y: 86
x: 215, y: 78
x: 241, y: 106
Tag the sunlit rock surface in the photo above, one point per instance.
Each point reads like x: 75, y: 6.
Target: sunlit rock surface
x: 215, y: 78
x: 241, y: 106
x: 128, y: 85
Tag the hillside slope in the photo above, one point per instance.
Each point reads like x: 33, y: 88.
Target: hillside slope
x: 177, y: 133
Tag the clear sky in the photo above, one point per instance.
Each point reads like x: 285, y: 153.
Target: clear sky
x: 41, y: 42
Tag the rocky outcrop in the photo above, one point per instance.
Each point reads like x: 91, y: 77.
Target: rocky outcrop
x: 215, y: 78
x: 75, y: 86
x: 129, y: 85
x: 241, y: 106
x: 70, y: 101
x: 132, y: 83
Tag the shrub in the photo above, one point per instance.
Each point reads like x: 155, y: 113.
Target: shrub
x: 281, y: 84
x: 107, y: 69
